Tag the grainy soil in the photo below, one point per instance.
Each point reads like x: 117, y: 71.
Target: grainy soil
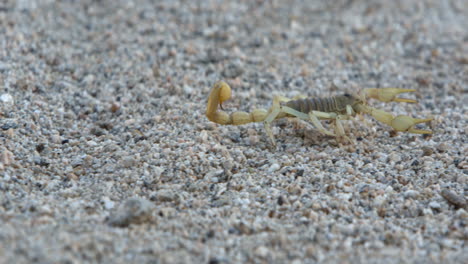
x: 106, y: 155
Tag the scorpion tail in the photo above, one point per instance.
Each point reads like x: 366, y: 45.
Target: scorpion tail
x: 220, y: 93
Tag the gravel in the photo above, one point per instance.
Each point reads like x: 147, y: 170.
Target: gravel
x: 106, y: 154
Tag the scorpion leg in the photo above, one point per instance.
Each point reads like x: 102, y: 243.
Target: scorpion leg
x: 309, y: 117
x: 349, y: 111
x: 350, y: 114
x: 340, y: 133
x: 314, y: 118
x: 273, y: 113
x: 339, y: 127
x: 300, y: 97
x: 295, y: 113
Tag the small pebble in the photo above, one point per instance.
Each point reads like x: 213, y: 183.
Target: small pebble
x: 4, y: 66
x: 454, y: 198
x: 434, y: 205
x: 188, y: 89
x: 6, y: 98
x: 232, y: 70
x: 274, y: 167
x: 108, y: 204
x: 214, y: 174
x: 411, y: 194
x: 166, y: 195
x: 128, y: 162
x: 442, y: 147
x: 133, y: 211
x: 262, y: 252
x: 6, y: 157
x: 427, y: 151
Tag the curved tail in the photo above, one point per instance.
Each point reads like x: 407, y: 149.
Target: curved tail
x: 222, y: 92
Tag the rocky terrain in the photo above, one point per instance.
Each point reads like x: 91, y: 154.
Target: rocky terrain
x: 106, y: 155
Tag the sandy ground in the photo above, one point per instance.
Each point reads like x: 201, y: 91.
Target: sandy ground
x: 107, y: 156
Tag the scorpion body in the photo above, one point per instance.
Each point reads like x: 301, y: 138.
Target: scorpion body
x: 336, y: 104
x: 336, y: 108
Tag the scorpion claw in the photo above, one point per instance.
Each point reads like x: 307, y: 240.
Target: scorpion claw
x: 404, y: 100
x: 389, y: 94
x: 406, y: 123
x: 400, y: 123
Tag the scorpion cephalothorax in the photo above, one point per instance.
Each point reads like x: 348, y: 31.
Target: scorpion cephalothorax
x: 336, y: 108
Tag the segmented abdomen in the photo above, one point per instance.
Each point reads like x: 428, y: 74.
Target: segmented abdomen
x: 306, y: 105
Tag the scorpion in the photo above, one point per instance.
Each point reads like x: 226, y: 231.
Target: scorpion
x: 335, y: 108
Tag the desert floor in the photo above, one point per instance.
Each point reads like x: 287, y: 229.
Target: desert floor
x: 107, y: 155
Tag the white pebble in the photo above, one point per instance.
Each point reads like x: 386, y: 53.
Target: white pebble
x: 56, y: 139
x: 6, y: 176
x: 262, y: 251
x: 128, y: 162
x: 427, y: 211
x: 4, y: 66
x: 188, y: 89
x: 6, y: 98
x: 395, y: 157
x: 411, y: 194
x: 214, y: 174
x: 108, y: 204
x: 89, y: 79
x: 379, y: 200
x: 274, y: 167
x: 389, y: 189
x: 434, y: 205
x: 345, y: 196
x: 92, y: 143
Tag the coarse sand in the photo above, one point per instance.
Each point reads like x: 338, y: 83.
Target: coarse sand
x: 106, y: 155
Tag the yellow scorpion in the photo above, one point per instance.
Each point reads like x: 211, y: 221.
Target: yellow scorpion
x: 336, y: 108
